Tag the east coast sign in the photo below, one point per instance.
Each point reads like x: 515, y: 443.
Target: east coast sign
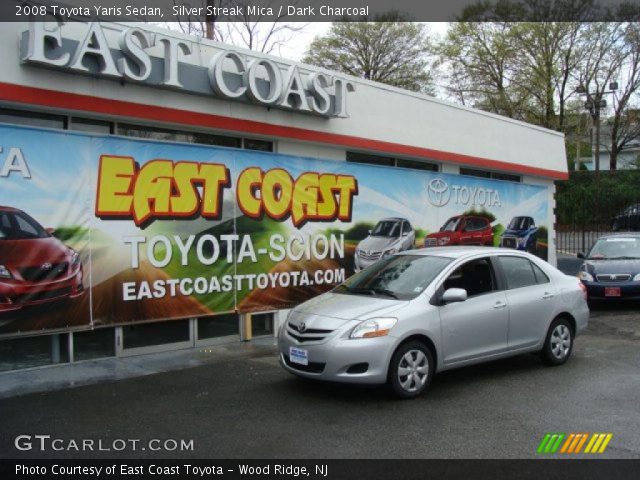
x: 135, y: 55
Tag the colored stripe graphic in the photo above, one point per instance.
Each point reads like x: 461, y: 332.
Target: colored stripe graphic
x: 550, y: 442
x: 573, y: 443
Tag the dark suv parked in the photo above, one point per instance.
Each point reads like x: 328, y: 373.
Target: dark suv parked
x: 628, y: 219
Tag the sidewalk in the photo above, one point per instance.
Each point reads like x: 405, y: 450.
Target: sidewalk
x: 57, y: 377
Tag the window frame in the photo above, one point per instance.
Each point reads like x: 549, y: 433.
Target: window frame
x: 504, y: 274
x: 495, y: 273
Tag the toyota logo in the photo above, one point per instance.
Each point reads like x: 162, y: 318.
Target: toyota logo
x: 46, y: 266
x: 302, y: 327
x: 438, y: 192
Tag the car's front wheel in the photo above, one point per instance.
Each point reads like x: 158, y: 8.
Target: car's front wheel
x: 559, y: 342
x: 411, y: 369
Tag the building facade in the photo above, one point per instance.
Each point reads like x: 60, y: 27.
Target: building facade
x: 251, y: 153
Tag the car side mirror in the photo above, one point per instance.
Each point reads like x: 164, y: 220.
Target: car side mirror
x: 454, y: 295
x: 580, y: 255
x: 405, y: 234
x: 50, y: 230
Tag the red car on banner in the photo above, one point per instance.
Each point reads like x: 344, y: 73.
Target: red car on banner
x: 35, y: 267
x: 462, y: 230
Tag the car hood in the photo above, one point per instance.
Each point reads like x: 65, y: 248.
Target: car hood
x: 515, y: 233
x: 377, y: 244
x: 600, y: 267
x: 440, y: 234
x: 32, y: 252
x: 335, y: 309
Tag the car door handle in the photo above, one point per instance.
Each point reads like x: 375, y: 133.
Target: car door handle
x: 499, y: 305
x: 547, y: 295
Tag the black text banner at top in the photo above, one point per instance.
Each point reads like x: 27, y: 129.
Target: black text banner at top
x: 201, y: 11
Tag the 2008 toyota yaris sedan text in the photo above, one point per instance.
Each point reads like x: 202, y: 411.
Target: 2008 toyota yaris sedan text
x: 424, y: 311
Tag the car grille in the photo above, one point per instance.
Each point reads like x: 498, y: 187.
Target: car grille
x: 371, y: 256
x: 39, y: 274
x: 41, y: 295
x: 430, y: 242
x: 309, y: 335
x: 312, y: 367
x: 622, y: 277
x: 509, y: 242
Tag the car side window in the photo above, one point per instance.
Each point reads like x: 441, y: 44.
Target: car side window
x: 407, y: 227
x: 518, y: 272
x: 476, y: 277
x: 541, y: 277
x: 24, y: 226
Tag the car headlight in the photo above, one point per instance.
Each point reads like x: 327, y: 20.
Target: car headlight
x: 444, y: 240
x: 376, y: 327
x: 388, y: 252
x: 75, y: 258
x: 4, y: 272
x: 586, y: 276
x: 636, y: 278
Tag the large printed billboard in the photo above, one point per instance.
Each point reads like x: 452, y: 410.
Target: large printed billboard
x: 102, y: 230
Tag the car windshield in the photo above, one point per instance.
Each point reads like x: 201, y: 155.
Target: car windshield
x: 616, y: 248
x: 19, y: 226
x: 451, y: 225
x: 386, y: 228
x: 517, y: 223
x: 401, y: 277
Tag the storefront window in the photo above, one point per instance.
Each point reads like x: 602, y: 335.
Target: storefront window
x: 154, y: 133
x: 91, y: 126
x: 262, y: 324
x: 370, y: 159
x: 98, y: 343
x: 218, y: 326
x: 33, y: 351
x: 33, y: 119
x: 149, y: 334
x: 261, y: 145
x: 472, y: 172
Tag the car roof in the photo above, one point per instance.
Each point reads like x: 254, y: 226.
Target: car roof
x: 620, y: 234
x: 8, y: 209
x: 459, y: 252
x: 392, y: 218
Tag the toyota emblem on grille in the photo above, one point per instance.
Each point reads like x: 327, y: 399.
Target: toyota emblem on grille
x: 46, y: 266
x: 302, y: 327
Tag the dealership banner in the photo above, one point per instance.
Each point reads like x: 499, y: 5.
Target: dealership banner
x: 102, y: 230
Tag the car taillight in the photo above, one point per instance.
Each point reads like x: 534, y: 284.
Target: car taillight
x: 584, y: 289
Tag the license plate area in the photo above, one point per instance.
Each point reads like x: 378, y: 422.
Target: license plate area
x: 612, y: 292
x: 299, y: 356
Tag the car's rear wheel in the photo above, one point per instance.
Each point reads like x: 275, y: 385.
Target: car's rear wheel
x: 411, y: 369
x: 559, y: 342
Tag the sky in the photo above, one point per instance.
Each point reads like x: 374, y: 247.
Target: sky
x: 295, y: 49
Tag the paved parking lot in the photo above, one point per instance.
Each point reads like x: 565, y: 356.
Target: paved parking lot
x: 245, y: 406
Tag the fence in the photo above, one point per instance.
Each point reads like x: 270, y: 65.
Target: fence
x: 590, y: 205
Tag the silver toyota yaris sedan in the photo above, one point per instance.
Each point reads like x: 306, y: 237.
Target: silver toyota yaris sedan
x: 419, y: 312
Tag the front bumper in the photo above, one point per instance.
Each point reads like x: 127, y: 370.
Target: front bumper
x: 340, y: 359
x: 628, y: 290
x: 16, y: 295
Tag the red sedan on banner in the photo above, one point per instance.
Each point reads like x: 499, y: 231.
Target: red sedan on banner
x: 35, y: 267
x: 462, y: 230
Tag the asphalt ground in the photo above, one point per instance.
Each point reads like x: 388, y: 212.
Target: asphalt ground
x: 243, y: 405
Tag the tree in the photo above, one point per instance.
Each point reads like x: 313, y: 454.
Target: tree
x: 254, y: 32
x: 387, y: 50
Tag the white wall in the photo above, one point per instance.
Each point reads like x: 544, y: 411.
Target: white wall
x: 377, y: 111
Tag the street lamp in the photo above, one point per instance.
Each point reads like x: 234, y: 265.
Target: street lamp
x: 593, y: 104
